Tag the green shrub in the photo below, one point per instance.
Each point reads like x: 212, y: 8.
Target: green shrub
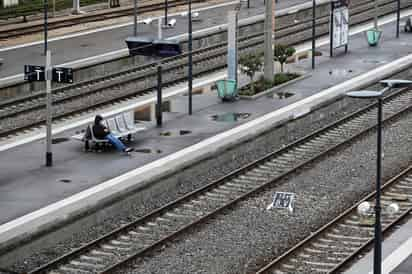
x: 281, y: 53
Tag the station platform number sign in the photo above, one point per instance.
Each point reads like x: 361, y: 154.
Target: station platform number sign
x: 37, y: 73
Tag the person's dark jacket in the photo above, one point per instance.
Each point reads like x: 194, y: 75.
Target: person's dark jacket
x: 99, y: 130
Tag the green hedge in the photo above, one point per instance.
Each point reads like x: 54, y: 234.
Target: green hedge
x: 28, y: 7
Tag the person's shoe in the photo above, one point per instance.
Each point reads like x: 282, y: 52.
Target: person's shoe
x: 128, y: 149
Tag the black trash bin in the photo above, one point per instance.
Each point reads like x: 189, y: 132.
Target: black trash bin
x: 141, y: 46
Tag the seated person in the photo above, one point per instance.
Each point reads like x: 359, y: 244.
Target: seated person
x: 102, y: 132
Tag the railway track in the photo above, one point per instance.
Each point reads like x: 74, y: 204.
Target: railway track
x: 136, y: 239
x: 144, y: 7
x: 25, y: 113
x: 334, y: 245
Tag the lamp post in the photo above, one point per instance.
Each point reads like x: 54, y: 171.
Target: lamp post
x: 190, y: 72
x: 313, y: 32
x: 369, y: 94
x: 45, y: 6
x: 166, y: 6
x: 135, y: 18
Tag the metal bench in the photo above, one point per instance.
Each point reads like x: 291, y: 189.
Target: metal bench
x: 121, y: 126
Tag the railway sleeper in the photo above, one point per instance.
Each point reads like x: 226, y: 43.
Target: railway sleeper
x: 341, y: 236
x: 86, y: 265
x: 70, y: 270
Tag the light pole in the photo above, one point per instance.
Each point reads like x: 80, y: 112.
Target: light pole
x: 135, y: 18
x: 313, y: 32
x: 370, y: 94
x: 46, y: 6
x: 190, y: 72
x: 166, y: 6
x: 398, y: 17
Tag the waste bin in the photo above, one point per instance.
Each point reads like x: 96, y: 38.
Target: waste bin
x: 226, y: 89
x: 373, y: 36
x: 408, y: 25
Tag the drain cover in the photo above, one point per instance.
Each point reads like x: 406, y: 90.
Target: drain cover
x: 66, y: 181
x: 59, y: 140
x: 230, y: 117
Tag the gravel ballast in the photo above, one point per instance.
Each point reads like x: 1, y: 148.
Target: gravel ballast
x: 240, y: 240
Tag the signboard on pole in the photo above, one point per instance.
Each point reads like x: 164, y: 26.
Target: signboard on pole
x: 62, y: 75
x: 59, y: 74
x: 34, y: 73
x: 283, y: 200
x: 339, y: 25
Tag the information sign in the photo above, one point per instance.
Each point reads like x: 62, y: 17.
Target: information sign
x: 34, y: 73
x: 340, y: 26
x: 59, y: 74
x: 62, y: 75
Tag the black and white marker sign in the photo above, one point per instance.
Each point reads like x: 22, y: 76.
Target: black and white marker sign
x: 283, y: 200
x: 59, y: 74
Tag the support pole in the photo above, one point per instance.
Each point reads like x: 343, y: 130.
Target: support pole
x: 190, y: 73
x: 268, y: 54
x: 331, y: 30
x: 166, y: 7
x: 377, y: 258
x: 232, y: 56
x: 159, y: 104
x: 76, y: 6
x: 313, y: 32
x: 159, y: 29
x: 375, y: 17
x: 398, y: 17
x: 46, y: 6
x: 135, y: 18
x: 47, y: 74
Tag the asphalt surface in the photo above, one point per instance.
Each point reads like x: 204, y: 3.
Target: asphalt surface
x: 84, y: 46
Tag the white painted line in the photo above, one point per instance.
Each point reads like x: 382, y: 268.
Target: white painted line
x: 85, y: 199
x: 128, y: 106
x: 111, y: 27
x: 24, y: 139
x: 396, y: 257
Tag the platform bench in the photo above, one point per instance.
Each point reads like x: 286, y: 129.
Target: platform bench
x: 122, y: 126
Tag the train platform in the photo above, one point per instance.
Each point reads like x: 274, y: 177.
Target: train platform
x: 33, y: 196
x: 396, y: 253
x: 77, y: 45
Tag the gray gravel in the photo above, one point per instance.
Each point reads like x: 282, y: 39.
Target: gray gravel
x: 240, y: 240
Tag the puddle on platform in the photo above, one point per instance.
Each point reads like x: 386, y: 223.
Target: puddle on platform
x: 59, y: 140
x: 283, y: 95
x: 177, y: 133
x: 340, y: 72
x: 230, y: 117
x: 66, y: 181
x: 147, y: 150
x: 372, y: 61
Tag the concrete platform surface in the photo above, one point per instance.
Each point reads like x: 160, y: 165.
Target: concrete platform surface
x: 26, y: 185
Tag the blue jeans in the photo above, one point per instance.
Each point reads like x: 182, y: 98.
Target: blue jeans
x: 116, y: 142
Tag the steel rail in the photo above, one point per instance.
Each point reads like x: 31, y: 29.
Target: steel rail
x: 6, y: 33
x: 347, y: 214
x: 395, y: 106
x: 12, y: 108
